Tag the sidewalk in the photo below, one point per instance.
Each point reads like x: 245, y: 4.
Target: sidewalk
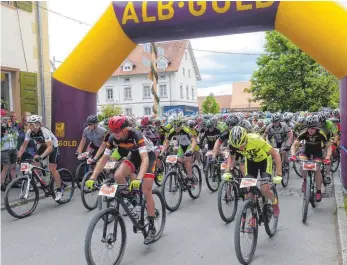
x: 340, y: 192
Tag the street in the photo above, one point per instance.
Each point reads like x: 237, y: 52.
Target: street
x: 194, y: 234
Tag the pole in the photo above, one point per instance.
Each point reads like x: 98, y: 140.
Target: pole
x: 343, y: 143
x: 154, y: 77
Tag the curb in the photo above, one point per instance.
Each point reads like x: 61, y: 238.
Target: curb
x: 41, y: 196
x: 339, y: 192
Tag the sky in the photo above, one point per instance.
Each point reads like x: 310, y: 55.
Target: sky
x: 218, y: 70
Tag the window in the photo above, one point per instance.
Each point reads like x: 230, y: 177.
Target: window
x: 163, y: 91
x: 181, y: 91
x: 161, y: 64
x: 188, y: 73
x: 147, y: 111
x: 187, y: 92
x: 146, y: 91
x: 147, y: 47
x: 185, y: 56
x: 162, y: 76
x: 127, y: 93
x: 127, y: 67
x: 184, y: 71
x: 6, y: 91
x: 160, y: 51
x: 128, y: 111
x: 193, y: 95
x: 109, y: 93
x: 126, y: 79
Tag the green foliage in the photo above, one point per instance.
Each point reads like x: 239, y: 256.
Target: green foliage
x: 210, y: 105
x: 289, y: 80
x: 109, y: 110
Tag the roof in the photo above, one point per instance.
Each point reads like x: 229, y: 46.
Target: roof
x: 173, y: 52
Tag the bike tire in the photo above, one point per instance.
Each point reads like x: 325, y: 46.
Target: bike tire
x: 6, y: 198
x: 80, y: 172
x: 285, y: 177
x: 157, y: 181
x: 66, y: 174
x: 220, y: 199
x: 170, y: 177
x: 84, y: 191
x: 199, y: 179
x: 103, y: 215
x: 266, y: 213
x: 247, y: 204
x: 208, y: 178
x: 335, y: 161
x: 162, y: 215
x: 306, y: 198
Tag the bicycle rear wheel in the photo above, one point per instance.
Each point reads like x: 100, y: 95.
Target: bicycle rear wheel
x: 160, y: 173
x: 81, y: 170
x: 335, y: 161
x: 67, y: 185
x: 16, y: 200
x: 249, y: 228
x: 306, y: 197
x: 108, y: 235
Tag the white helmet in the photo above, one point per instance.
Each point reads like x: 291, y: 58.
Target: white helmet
x: 34, y: 119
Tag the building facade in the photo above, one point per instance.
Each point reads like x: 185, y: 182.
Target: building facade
x: 25, y: 63
x: 130, y: 86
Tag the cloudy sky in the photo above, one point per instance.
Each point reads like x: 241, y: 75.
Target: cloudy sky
x: 218, y: 70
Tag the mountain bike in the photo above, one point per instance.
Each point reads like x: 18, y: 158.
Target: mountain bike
x: 213, y: 171
x: 260, y: 211
x: 285, y: 168
x: 176, y: 181
x: 112, y: 222
x: 82, y: 168
x: 29, y: 184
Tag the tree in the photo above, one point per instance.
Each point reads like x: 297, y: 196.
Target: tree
x: 289, y: 80
x: 109, y: 110
x: 210, y: 105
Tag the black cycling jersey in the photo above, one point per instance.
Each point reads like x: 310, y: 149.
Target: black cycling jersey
x: 313, y: 143
x: 211, y: 137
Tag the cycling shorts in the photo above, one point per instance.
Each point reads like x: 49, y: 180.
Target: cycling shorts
x: 133, y: 161
x: 264, y: 168
x: 317, y: 157
x: 182, y: 149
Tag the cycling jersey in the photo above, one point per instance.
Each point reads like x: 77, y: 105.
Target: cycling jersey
x: 95, y: 136
x: 151, y: 134
x: 211, y: 137
x: 41, y: 137
x: 313, y: 143
x: 184, y: 136
x: 280, y: 133
x: 256, y: 148
x: 258, y: 130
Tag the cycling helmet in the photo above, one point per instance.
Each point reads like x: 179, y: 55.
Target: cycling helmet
x: 177, y: 122
x: 336, y: 112
x: 232, y: 120
x: 311, y: 121
x: 92, y: 119
x: 237, y: 136
x: 34, y: 119
x: 209, y: 124
x: 214, y: 120
x: 321, y: 117
x: 145, y: 121
x: 117, y: 123
x: 191, y: 124
x: 260, y: 123
x: 276, y: 117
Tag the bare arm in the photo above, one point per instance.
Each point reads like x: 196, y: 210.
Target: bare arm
x: 290, y: 138
x: 193, y: 144
x: 276, y: 156
x: 293, y: 148
x: 81, y: 145
x: 48, y: 150
x: 231, y: 160
x: 216, y: 148
x: 144, y: 165
x: 165, y: 146
x: 23, y: 148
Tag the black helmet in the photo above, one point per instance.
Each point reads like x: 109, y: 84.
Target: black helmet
x: 232, y: 120
x: 276, y: 117
x: 311, y: 121
x: 92, y: 119
x: 191, y: 123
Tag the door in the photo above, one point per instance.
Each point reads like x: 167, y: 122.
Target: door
x: 28, y: 92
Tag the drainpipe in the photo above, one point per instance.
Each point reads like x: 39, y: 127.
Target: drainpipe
x: 42, y: 78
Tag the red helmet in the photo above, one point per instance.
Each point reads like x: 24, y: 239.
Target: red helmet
x: 145, y: 121
x: 117, y: 123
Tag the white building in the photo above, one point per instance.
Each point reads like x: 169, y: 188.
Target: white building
x: 130, y: 86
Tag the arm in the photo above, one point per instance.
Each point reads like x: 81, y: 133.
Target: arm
x: 100, y: 165
x: 277, y: 158
x: 231, y: 160
x: 329, y: 151
x: 48, y: 150
x: 294, y: 145
x: 23, y: 148
x: 193, y: 144
x: 100, y: 150
x: 165, y: 146
x: 144, y: 165
x: 290, y: 138
x: 216, y: 148
x: 81, y: 145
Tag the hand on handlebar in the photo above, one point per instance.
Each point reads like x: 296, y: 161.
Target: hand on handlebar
x: 326, y: 161
x: 293, y: 158
x: 38, y: 159
x: 188, y: 153
x: 91, y: 161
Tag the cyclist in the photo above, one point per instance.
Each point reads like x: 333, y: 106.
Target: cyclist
x: 47, y: 146
x: 258, y: 157
x: 314, y: 138
x: 211, y: 134
x: 94, y: 133
x: 186, y: 145
x: 141, y: 158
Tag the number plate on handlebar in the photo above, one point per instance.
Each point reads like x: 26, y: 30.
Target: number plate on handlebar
x: 248, y: 182
x: 171, y: 159
x: 24, y: 167
x: 110, y: 165
x: 308, y: 166
x: 223, y: 166
x: 109, y: 191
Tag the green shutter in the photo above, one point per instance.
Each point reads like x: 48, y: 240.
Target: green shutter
x: 24, y: 5
x: 28, y: 92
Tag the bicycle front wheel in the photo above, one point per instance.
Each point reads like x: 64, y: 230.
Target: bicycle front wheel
x: 246, y: 231
x: 227, y: 201
x: 172, y: 191
x: 270, y: 221
x: 89, y: 197
x: 195, y: 190
x: 306, y: 198
x: 81, y: 170
x: 212, y: 180
x: 67, y: 185
x: 105, y: 235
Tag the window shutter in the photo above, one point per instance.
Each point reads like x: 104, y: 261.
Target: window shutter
x: 25, y: 5
x: 28, y: 92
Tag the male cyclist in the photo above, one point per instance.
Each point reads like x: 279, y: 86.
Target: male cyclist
x: 141, y: 158
x: 47, y: 146
x: 94, y: 133
x: 211, y: 134
x: 258, y: 157
x: 314, y: 139
x: 186, y: 142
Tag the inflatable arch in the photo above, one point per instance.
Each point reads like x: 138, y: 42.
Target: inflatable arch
x: 318, y: 28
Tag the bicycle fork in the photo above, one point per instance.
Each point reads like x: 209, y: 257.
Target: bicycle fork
x: 24, y: 194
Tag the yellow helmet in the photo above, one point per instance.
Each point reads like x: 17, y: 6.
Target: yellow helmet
x: 237, y: 136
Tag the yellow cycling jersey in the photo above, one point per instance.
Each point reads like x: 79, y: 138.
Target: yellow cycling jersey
x: 256, y: 148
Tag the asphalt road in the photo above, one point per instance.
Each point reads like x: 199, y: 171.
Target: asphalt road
x: 194, y: 234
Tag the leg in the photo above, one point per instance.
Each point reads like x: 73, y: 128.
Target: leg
x: 55, y: 174
x: 5, y: 162
x: 188, y: 161
x: 125, y: 169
